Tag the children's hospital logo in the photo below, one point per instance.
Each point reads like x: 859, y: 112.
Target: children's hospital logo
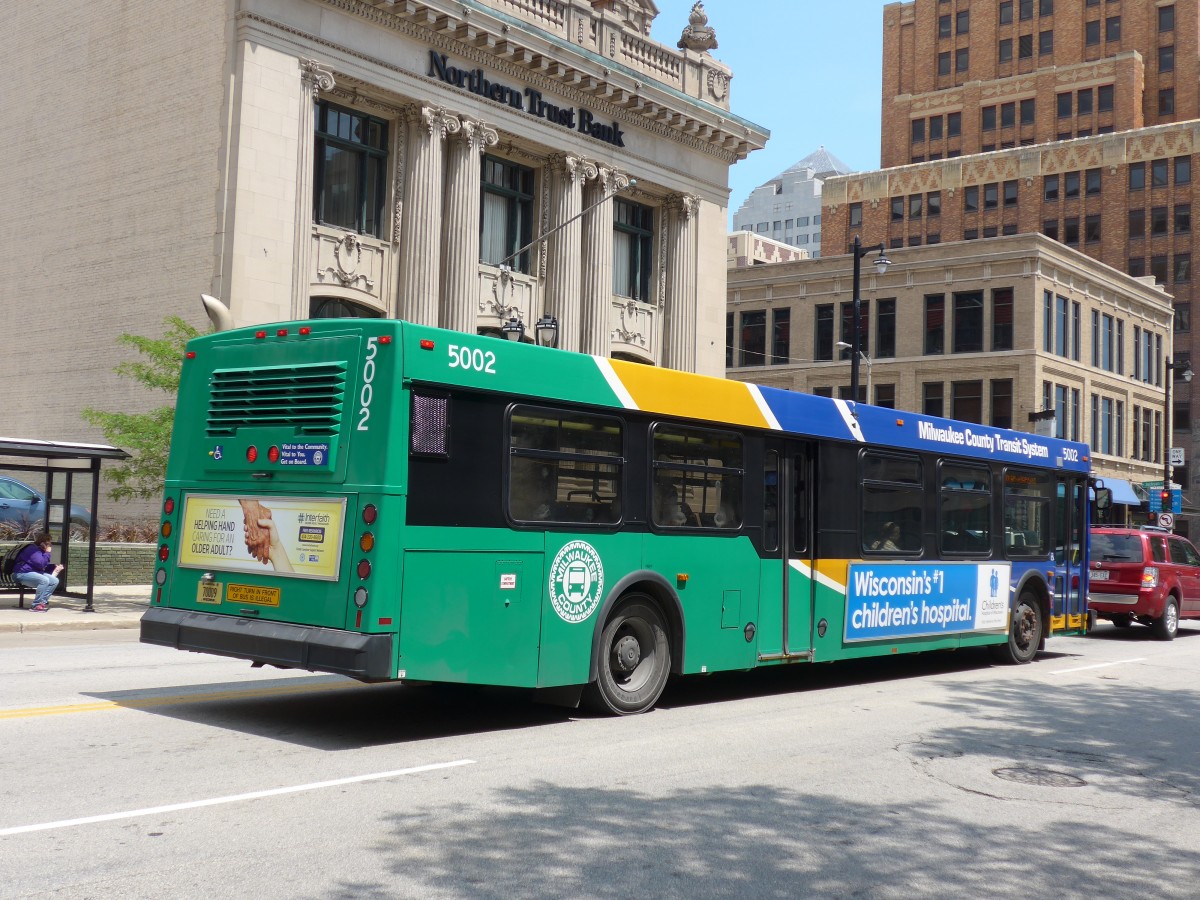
x: 576, y: 581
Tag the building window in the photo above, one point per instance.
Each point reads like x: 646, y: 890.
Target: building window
x: 1083, y: 102
x: 1046, y: 8
x: 1004, y: 51
x: 1158, y: 221
x: 897, y: 209
x: 781, y: 337
x: 916, y: 204
x: 633, y: 249
x: 1050, y: 187
x: 1137, y: 224
x: 1006, y: 11
x: 931, y: 399
x: 1137, y: 266
x: 1025, y: 46
x: 1002, y: 319
x: 1027, y: 111
x: 1071, y: 231
x: 943, y: 63
x: 885, y: 396
x: 1091, y: 33
x: 1091, y: 228
x: 962, y: 22
x: 1047, y: 321
x: 1166, y: 102
x: 885, y: 328
x: 1183, y: 169
x: 971, y: 198
x: 1064, y: 105
x: 966, y: 401
x: 855, y: 215
x: 1183, y: 268
x: 864, y: 325
x: 1112, y: 28
x: 1183, y: 218
x: 1071, y: 185
x: 754, y: 338
x: 1092, y: 181
x: 1183, y: 317
x: 1050, y: 228
x: 1137, y: 176
x: 987, y: 118
x: 962, y: 59
x: 1166, y: 58
x: 729, y: 340
x: 953, y: 124
x: 1010, y: 193
x: 1025, y: 9
x: 1045, y: 43
x: 1166, y: 18
x: 351, y: 169
x: 918, y: 131
x: 935, y: 128
x: 968, y: 322
x: 1158, y: 268
x: 506, y: 220
x: 991, y: 195
x: 935, y: 324
x: 943, y: 27
x: 933, y: 203
x: 1008, y: 115
x: 823, y: 332
x: 1002, y: 397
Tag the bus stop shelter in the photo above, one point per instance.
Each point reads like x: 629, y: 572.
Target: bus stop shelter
x: 51, y: 467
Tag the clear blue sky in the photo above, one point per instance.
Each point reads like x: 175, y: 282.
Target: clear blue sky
x: 809, y: 71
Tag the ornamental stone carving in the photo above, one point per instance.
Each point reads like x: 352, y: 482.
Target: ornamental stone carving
x: 698, y: 35
x: 347, y: 255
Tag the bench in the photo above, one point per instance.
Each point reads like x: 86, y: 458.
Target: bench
x: 8, y: 584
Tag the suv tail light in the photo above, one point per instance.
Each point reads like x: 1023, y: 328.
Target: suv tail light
x: 1150, y: 577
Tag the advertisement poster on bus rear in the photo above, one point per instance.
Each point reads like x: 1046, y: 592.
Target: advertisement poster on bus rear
x: 885, y: 601
x: 293, y: 536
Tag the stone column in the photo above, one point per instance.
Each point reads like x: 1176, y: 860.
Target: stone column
x: 460, y: 231
x: 420, y: 244
x: 563, y: 264
x: 598, y: 259
x: 679, y: 314
x: 313, y: 78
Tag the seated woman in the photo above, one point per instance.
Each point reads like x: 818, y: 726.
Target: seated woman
x: 889, y: 538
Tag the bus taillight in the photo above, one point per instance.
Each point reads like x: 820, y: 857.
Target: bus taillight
x: 370, y: 513
x: 169, y: 506
x: 166, y: 530
x: 360, y: 597
x: 367, y: 542
x: 251, y: 453
x: 163, y: 552
x: 273, y: 454
x: 364, y: 568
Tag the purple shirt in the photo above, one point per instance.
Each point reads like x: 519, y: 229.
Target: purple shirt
x: 32, y: 559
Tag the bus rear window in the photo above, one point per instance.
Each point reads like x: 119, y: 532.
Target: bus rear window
x: 564, y: 467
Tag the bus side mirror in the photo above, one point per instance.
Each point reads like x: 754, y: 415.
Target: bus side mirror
x: 1103, y: 498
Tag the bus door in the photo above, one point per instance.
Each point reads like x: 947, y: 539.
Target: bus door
x: 1070, y: 602
x: 786, y: 599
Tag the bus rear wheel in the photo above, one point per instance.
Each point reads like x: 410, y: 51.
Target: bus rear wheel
x: 634, y: 659
x: 1024, y: 634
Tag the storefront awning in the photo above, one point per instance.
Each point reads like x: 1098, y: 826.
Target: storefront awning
x: 1122, y: 492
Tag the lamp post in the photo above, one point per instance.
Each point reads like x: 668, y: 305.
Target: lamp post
x: 1185, y: 372
x: 546, y: 330
x: 881, y: 265
x: 865, y: 357
x: 514, y: 329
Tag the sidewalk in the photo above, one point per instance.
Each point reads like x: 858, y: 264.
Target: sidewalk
x: 116, y: 606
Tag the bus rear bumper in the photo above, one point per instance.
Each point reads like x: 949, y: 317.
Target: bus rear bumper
x: 367, y: 657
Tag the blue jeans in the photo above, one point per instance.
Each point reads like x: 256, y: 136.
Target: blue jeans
x: 43, y: 585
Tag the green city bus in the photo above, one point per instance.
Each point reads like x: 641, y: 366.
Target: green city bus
x: 390, y: 501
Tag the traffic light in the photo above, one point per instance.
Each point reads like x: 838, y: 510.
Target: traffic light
x: 1165, y: 496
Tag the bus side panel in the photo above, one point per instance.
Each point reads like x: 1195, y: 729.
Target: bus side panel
x: 471, y: 617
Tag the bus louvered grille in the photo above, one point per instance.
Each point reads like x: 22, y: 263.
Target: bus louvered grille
x: 429, y: 423
x: 306, y: 398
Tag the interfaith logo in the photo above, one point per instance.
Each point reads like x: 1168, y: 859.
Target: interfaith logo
x: 576, y: 581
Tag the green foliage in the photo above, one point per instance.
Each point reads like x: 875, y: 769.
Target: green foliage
x: 146, y: 436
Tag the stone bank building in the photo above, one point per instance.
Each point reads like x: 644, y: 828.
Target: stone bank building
x: 311, y: 158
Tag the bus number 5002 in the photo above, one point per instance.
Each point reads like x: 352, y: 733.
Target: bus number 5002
x: 367, y: 392
x: 466, y: 358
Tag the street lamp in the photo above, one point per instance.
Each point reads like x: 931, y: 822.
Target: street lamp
x: 514, y: 329
x: 1185, y: 372
x: 546, y: 330
x: 881, y: 265
x: 866, y: 357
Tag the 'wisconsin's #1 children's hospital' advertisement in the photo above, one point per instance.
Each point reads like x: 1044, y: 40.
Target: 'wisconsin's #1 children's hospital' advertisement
x: 298, y: 536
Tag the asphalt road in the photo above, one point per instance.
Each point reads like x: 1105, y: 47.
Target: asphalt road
x: 135, y: 771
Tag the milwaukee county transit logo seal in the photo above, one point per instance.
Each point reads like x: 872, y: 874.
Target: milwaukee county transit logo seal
x: 576, y: 581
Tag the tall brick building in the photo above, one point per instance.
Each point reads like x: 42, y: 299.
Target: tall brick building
x: 1076, y: 119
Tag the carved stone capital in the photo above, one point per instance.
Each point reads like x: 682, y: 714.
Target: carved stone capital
x: 436, y: 121
x: 608, y: 179
x: 568, y: 166
x: 314, y: 76
x: 478, y: 135
x: 687, y: 205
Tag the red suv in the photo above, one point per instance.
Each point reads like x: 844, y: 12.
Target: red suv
x: 1144, y: 575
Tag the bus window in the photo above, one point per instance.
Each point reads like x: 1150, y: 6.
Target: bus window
x: 892, y: 502
x: 564, y: 467
x: 965, y: 508
x: 1026, y: 513
x: 697, y: 479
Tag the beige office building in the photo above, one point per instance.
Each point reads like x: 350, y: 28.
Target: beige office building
x: 300, y: 158
x: 994, y: 332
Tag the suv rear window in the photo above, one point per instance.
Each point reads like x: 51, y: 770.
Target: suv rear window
x: 1117, y: 547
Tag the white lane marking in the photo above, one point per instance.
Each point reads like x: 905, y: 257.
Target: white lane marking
x: 235, y: 798
x: 614, y: 382
x: 1119, y: 662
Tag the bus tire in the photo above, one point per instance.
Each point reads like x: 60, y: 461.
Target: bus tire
x: 634, y: 659
x: 1025, y: 633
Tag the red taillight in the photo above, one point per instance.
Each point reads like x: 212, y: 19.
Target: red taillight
x: 364, y: 569
x: 305, y: 330
x: 191, y: 354
x: 370, y: 514
x: 426, y: 345
x: 282, y: 332
x: 260, y: 334
x: 163, y: 553
x: 169, y: 506
x: 251, y: 453
x: 387, y: 339
x: 273, y: 454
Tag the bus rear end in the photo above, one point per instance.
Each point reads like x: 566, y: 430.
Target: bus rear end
x: 274, y: 496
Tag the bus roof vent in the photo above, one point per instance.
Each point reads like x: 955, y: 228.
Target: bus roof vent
x: 307, y: 398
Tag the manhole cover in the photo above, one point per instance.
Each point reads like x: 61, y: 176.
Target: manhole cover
x: 1038, y: 777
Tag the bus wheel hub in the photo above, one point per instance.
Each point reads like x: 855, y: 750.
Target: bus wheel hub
x: 628, y: 653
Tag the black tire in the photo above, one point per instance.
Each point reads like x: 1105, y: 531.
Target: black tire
x: 1166, y: 625
x: 1122, y: 620
x: 1025, y: 633
x: 633, y: 659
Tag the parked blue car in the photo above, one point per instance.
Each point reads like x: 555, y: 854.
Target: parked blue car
x: 23, y: 511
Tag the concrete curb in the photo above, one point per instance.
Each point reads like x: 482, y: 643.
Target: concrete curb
x: 118, y: 606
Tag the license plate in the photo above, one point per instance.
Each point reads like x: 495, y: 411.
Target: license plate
x: 249, y: 593
x: 209, y: 592
x: 1100, y: 575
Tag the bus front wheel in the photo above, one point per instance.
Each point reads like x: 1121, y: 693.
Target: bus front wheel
x: 634, y: 659
x: 1025, y: 633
